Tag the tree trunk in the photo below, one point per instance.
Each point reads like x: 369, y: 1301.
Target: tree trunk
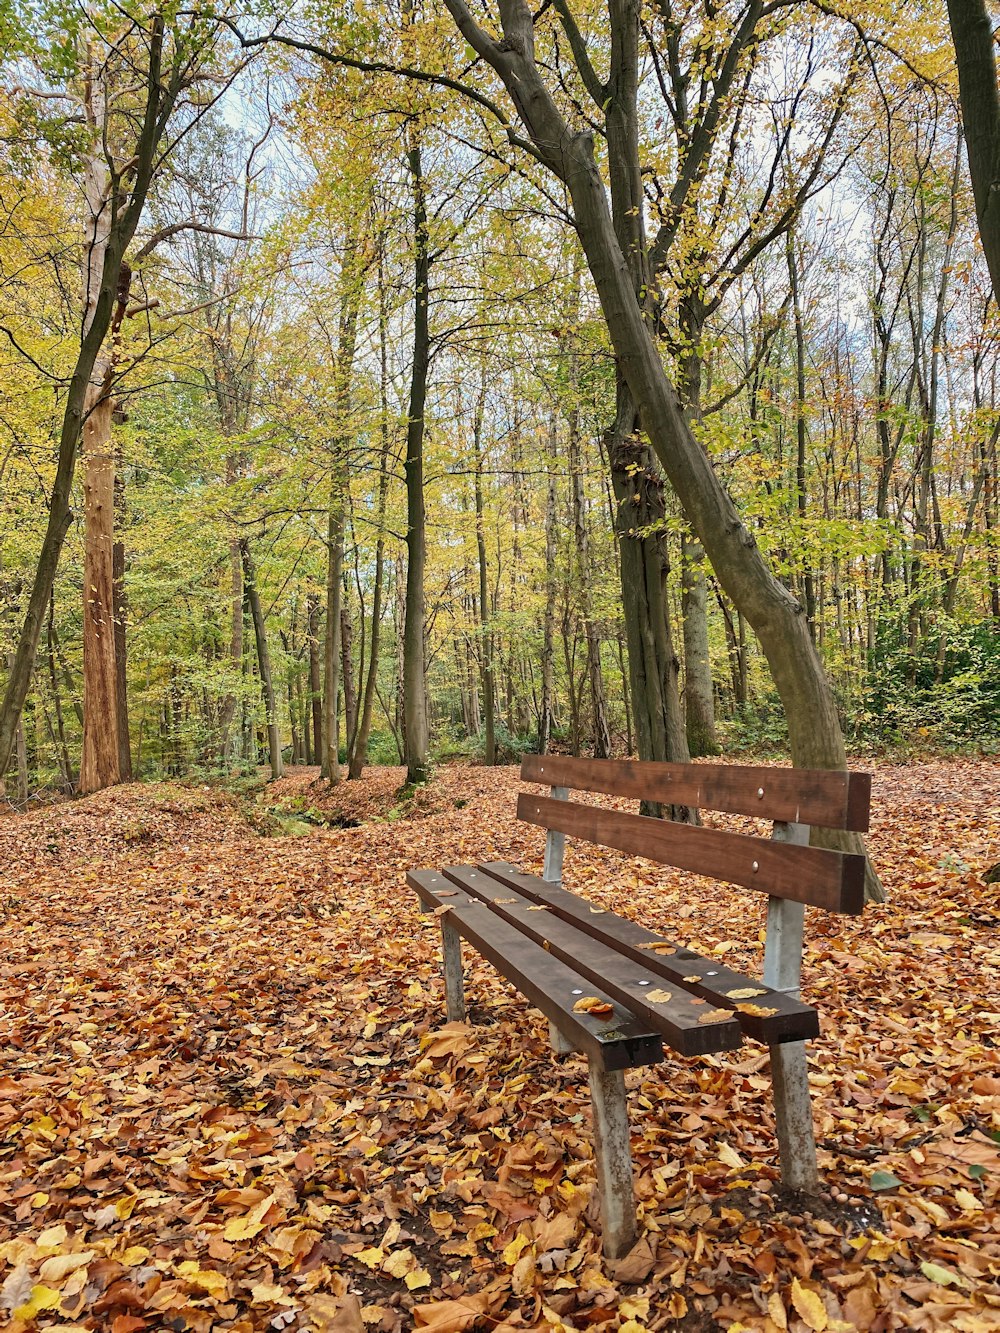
x: 332, y: 643
x: 546, y: 706
x: 263, y: 661
x: 315, y: 679
x: 973, y: 35
x: 121, y: 635
x: 416, y: 730
x: 485, y: 637
x: 347, y: 670
x: 100, y: 765
x: 652, y: 661
x: 107, y: 238
x: 584, y: 578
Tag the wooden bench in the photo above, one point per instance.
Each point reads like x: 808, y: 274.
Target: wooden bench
x: 560, y: 950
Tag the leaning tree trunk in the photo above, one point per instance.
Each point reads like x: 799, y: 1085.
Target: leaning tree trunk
x: 776, y: 616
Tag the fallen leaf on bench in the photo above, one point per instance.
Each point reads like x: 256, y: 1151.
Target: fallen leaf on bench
x: 597, y: 911
x: 756, y: 1010
x: 661, y: 946
x: 746, y: 993
x: 590, y: 1004
x: 658, y: 996
x: 714, y: 1016
x: 538, y: 907
x: 445, y: 893
x: 688, y: 980
x: 440, y: 911
x: 502, y: 902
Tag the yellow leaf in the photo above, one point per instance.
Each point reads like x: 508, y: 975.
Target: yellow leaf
x: 371, y: 1258
x: 746, y: 993
x: 244, y: 1228
x: 266, y: 1293
x: 399, y: 1263
x: 731, y: 1157
x: 968, y: 1201
x: 512, y: 1252
x: 417, y: 1279
x: 944, y: 1277
x: 658, y: 996
x: 42, y: 1298
x: 52, y: 1238
x: 208, y: 1279
x: 809, y: 1306
x: 776, y: 1310
x: 61, y: 1265
x: 523, y: 1277
x: 441, y: 1221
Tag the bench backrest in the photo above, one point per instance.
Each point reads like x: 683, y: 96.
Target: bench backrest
x: 783, y: 866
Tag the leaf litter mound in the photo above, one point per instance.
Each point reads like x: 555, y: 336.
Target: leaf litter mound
x: 229, y: 1098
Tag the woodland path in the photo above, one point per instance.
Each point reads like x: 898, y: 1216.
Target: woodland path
x: 227, y: 1102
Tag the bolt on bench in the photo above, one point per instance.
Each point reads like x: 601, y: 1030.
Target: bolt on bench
x: 618, y: 992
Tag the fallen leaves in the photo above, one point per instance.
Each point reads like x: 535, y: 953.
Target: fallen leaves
x: 229, y: 1099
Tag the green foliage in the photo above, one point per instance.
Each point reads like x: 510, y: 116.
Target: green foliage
x: 946, y: 693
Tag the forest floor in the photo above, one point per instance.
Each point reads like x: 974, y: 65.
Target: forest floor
x: 229, y: 1100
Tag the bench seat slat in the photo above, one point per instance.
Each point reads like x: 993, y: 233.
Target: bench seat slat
x: 793, y: 1021
x: 831, y: 880
x: 681, y: 1019
x: 827, y: 798
x: 619, y: 1042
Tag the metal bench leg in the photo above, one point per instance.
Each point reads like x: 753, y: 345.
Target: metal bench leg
x: 613, y: 1152
x: 793, y: 1116
x: 454, y: 985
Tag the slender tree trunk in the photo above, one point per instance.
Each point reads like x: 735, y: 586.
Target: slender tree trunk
x: 699, y: 690
x: 332, y: 642
x: 121, y: 635
x: 801, y: 488
x: 263, y: 661
x: 485, y: 637
x: 584, y: 577
x: 347, y: 670
x: 315, y: 679
x: 416, y: 730
x: 547, y: 704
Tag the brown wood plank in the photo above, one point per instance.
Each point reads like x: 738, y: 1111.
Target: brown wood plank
x: 619, y: 1041
x: 792, y: 1020
x: 679, y: 1015
x: 825, y: 797
x: 813, y: 875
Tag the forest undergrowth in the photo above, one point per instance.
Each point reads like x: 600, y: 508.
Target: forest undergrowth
x: 229, y: 1098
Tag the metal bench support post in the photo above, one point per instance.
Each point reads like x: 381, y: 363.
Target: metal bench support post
x: 555, y: 844
x: 454, y: 985
x: 613, y: 1151
x: 789, y: 1068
